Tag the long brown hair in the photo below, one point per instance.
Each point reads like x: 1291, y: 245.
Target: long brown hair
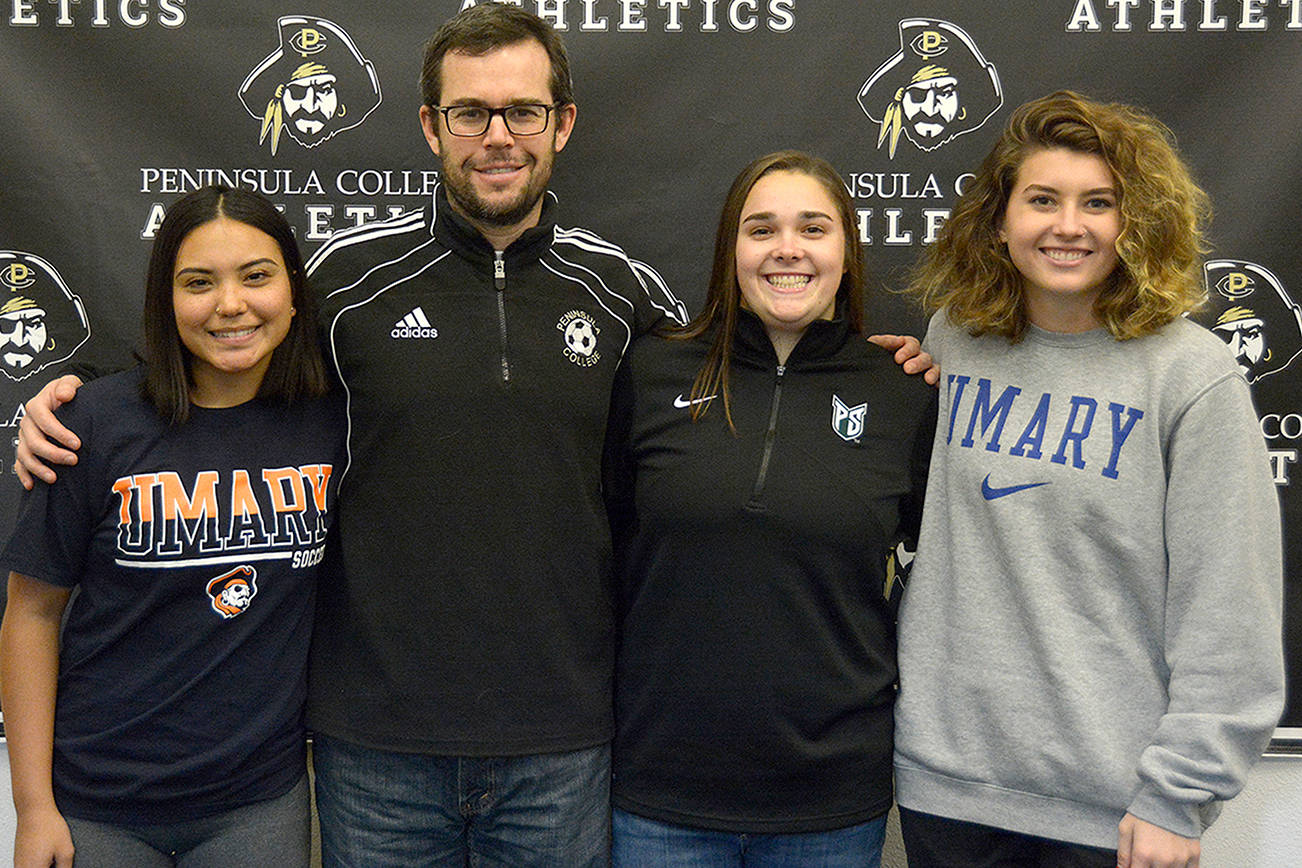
x: 723, y: 298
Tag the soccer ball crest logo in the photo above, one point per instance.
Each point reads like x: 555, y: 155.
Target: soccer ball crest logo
x: 580, y: 334
x: 580, y: 337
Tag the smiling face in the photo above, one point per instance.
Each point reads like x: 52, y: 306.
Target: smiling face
x: 790, y: 254
x: 233, y: 304
x: 497, y: 179
x: 1061, y: 227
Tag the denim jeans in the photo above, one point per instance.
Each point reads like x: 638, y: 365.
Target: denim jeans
x: 380, y: 809
x: 271, y: 832
x: 643, y: 843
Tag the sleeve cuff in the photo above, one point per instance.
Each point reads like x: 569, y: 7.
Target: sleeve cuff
x: 1188, y: 819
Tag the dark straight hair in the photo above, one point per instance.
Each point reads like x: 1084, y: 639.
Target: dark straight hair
x: 296, y: 369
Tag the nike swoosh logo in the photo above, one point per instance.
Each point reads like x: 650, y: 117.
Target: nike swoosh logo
x: 680, y: 402
x: 989, y: 492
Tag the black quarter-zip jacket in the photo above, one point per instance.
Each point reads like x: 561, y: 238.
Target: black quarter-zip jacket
x: 468, y: 609
x: 756, y: 672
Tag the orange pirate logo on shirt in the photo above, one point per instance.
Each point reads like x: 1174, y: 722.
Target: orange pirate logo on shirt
x: 232, y: 592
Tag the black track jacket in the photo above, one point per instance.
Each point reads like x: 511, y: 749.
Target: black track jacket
x: 469, y: 608
x: 756, y: 672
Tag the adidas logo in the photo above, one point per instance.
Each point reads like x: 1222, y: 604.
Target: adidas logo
x: 414, y: 325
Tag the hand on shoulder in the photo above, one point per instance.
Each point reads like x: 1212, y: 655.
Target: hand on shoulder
x: 909, y: 355
x: 42, y: 438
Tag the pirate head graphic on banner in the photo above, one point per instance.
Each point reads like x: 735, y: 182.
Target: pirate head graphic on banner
x: 936, y: 87
x: 1249, y: 309
x: 316, y: 84
x: 41, y: 322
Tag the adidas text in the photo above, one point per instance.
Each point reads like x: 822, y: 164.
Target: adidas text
x: 406, y: 331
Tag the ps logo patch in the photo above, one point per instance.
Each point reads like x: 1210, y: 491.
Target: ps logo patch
x: 847, y: 421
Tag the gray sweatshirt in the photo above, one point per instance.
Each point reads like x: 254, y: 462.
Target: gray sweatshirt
x: 1092, y: 625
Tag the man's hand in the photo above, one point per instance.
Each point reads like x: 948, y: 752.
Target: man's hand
x: 40, y: 433
x: 1144, y: 845
x: 909, y: 355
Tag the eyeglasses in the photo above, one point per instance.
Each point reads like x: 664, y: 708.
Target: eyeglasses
x: 522, y: 119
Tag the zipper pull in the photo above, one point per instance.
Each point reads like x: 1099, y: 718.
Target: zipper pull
x: 499, y: 271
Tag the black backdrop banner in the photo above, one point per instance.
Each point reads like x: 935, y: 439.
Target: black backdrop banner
x: 113, y: 108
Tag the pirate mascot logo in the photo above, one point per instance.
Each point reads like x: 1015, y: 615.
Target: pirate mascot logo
x: 231, y: 593
x: 936, y: 87
x: 316, y: 84
x: 1249, y: 310
x: 41, y: 322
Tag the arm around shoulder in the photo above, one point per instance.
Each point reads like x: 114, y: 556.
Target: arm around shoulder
x: 909, y: 355
x: 42, y: 439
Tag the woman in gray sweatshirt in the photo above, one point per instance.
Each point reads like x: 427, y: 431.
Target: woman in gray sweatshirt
x: 1090, y: 655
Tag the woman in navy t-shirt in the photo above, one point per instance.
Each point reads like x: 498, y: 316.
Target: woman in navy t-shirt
x: 182, y: 552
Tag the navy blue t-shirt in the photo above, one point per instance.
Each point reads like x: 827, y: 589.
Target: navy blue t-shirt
x: 193, y: 551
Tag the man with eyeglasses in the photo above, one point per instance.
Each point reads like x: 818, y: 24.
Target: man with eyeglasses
x: 460, y: 686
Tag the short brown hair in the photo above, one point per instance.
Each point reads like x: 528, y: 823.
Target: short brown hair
x: 486, y: 27
x: 1164, y: 215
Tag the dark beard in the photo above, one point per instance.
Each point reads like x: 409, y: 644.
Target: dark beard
x: 463, y: 196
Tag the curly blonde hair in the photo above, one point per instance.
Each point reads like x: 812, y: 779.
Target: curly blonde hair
x: 1164, y: 216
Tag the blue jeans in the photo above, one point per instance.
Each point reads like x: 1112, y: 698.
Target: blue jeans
x: 643, y: 843
x: 381, y: 809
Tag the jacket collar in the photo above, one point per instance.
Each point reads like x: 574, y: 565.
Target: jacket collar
x: 823, y: 338
x: 453, y: 230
